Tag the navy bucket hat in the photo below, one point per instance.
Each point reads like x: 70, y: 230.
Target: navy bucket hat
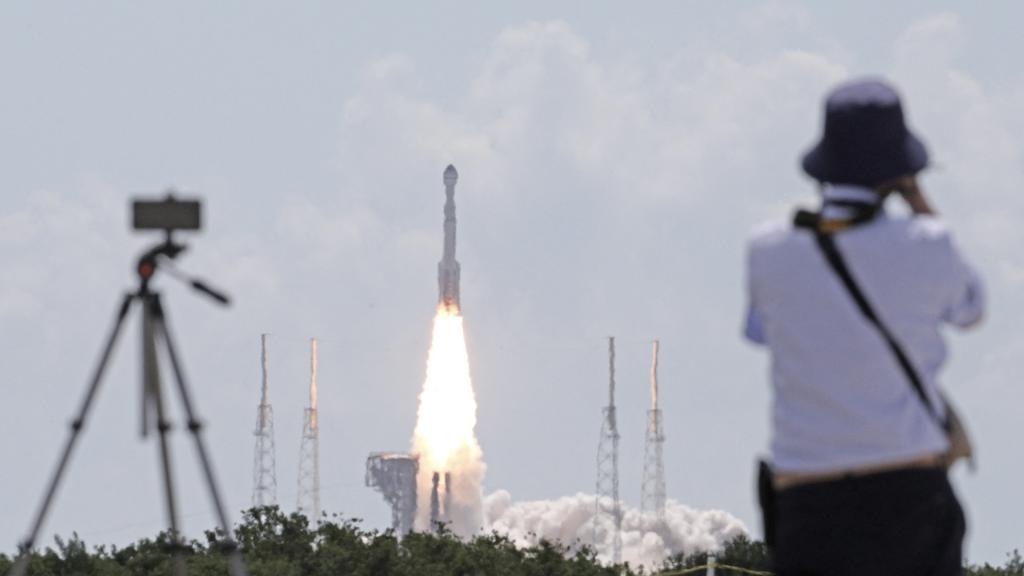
x: 865, y: 141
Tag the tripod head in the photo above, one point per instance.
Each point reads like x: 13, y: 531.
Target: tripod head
x: 169, y: 214
x: 161, y: 257
x: 150, y: 259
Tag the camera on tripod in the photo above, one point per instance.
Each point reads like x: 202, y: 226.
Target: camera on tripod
x: 169, y: 214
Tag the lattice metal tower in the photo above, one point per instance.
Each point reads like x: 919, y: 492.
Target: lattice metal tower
x: 652, y: 497
x: 264, y: 463
x: 309, y: 452
x: 608, y: 464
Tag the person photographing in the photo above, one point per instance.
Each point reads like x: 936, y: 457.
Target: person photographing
x: 850, y: 302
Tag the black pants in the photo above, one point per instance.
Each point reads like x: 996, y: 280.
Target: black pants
x: 905, y: 523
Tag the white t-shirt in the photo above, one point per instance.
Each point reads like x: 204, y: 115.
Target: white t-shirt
x: 840, y: 398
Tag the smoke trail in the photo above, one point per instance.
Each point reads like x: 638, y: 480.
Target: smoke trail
x: 444, y: 436
x: 646, y: 540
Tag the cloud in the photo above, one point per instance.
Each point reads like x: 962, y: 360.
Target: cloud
x: 51, y: 225
x: 543, y: 108
x: 968, y: 127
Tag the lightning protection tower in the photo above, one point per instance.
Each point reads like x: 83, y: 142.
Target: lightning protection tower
x: 652, y: 497
x: 309, y: 452
x: 608, y: 504
x: 264, y: 465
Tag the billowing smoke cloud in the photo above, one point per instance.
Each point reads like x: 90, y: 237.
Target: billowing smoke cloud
x: 646, y: 540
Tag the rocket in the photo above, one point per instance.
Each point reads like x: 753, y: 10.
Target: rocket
x: 448, y: 267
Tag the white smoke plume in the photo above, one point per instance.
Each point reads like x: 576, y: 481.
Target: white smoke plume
x: 646, y: 541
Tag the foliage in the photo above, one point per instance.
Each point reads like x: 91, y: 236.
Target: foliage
x: 279, y: 544
x: 1014, y: 567
x: 740, y: 551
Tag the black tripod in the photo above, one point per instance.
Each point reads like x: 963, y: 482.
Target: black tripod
x: 154, y: 332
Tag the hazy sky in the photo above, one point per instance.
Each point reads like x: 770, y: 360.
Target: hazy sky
x: 612, y: 160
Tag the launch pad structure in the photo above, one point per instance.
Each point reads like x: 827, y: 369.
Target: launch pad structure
x: 264, y: 467
x: 308, y: 499
x: 652, y: 496
x: 608, y: 503
x: 393, y: 474
x: 439, y: 505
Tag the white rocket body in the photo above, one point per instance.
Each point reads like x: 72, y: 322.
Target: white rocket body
x: 448, y: 267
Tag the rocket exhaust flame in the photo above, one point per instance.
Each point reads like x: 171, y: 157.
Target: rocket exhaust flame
x: 444, y: 437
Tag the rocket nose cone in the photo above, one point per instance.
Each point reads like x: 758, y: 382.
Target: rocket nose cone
x: 451, y: 176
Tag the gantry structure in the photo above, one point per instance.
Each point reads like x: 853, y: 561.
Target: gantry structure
x: 264, y: 466
x: 393, y: 474
x: 652, y: 496
x: 308, y: 501
x: 607, y: 499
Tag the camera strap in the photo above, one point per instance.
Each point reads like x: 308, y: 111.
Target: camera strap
x: 826, y: 242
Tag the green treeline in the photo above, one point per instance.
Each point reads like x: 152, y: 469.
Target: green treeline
x: 276, y: 544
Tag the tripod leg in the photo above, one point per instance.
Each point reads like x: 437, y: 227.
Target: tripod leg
x: 25, y: 548
x: 153, y: 400
x: 177, y: 562
x: 235, y: 564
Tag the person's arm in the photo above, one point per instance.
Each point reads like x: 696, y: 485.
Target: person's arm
x: 753, y: 328
x: 966, y: 306
x: 908, y: 188
x: 967, y: 302
x: 916, y: 200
